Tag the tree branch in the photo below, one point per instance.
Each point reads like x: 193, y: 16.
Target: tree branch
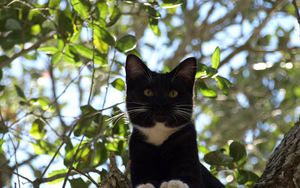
x: 297, y: 11
x: 24, y: 51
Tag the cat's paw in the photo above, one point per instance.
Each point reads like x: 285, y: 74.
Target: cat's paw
x: 147, y: 185
x: 174, y: 184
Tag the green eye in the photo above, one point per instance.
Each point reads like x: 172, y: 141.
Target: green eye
x: 173, y: 93
x: 148, y: 92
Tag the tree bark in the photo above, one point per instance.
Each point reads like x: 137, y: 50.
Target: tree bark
x: 283, y: 167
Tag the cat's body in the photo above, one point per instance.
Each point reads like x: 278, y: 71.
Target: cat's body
x: 163, y: 148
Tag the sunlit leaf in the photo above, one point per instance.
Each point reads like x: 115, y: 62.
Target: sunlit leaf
x: 154, y: 26
x: 223, y: 84
x: 103, y: 9
x: 56, y: 58
x: 35, y: 29
x: 171, y: 3
x: 87, y: 53
x: 215, y: 58
x: 57, y: 172
x: 43, y: 147
x: 100, y: 154
x: 201, y: 70
x: 114, y: 17
x: 205, y: 91
x: 1, y: 144
x: 104, y: 35
x: 48, y: 49
x: 38, y: 130
x: 119, y: 84
x: 126, y: 43
x: 237, y: 151
x: 81, y: 8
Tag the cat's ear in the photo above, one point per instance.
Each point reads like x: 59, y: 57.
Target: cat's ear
x: 135, y: 67
x: 186, y: 70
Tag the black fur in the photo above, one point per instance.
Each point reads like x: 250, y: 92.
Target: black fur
x: 177, y: 157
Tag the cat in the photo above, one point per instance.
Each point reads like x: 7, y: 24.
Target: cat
x: 162, y: 147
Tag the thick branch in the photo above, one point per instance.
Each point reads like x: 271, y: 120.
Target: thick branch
x: 283, y: 168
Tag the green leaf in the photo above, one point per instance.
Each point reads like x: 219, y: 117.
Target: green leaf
x: 1, y: 74
x: 56, y: 58
x: 237, y: 151
x: 171, y: 3
x: 57, y: 172
x: 87, y: 109
x: 48, y: 49
x: 217, y: 158
x: 12, y: 24
x: 118, y: 84
x: 245, y: 176
x: 154, y: 26
x: 80, y: 8
x: 78, y: 183
x: 114, y: 17
x: 223, y: 84
x: 20, y: 92
x: 38, y: 130
x: 1, y: 144
x: 215, y: 58
x: 201, y: 70
x: 205, y: 91
x: 126, y: 43
x: 35, y: 29
x: 152, y: 12
x: 100, y: 154
x: 43, y: 147
x: 104, y: 35
x: 87, y: 53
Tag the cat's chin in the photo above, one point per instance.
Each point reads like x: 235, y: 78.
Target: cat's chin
x: 160, y: 119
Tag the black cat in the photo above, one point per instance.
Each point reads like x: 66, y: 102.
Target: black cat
x: 163, y: 148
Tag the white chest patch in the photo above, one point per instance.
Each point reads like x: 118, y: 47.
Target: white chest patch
x: 157, y: 134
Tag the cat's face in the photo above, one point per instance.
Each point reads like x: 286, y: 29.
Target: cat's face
x: 155, y: 97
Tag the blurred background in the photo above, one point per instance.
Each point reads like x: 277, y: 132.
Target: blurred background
x: 62, y: 82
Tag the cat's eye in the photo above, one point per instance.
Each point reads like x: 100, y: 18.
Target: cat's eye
x: 173, y: 93
x: 148, y: 92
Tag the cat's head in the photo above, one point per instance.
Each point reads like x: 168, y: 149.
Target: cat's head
x: 159, y: 97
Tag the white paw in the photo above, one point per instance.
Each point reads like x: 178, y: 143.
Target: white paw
x: 174, y: 184
x: 147, y: 185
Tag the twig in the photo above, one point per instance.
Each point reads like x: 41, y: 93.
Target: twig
x: 86, y: 175
x: 108, y: 77
x: 57, y: 151
x: 72, y: 162
x: 24, y: 51
x: 55, y: 102
x: 8, y: 171
x: 17, y: 168
x: 254, y: 34
x: 93, y: 63
x: 297, y: 11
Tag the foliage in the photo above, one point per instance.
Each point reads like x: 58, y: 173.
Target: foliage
x: 62, y: 85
